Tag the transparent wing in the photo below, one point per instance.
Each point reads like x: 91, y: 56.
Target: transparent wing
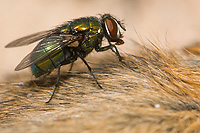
x: 29, y: 39
x: 48, y: 46
x: 35, y: 37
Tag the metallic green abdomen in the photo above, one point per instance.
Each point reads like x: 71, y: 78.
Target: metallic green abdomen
x: 54, y: 59
x: 47, y: 64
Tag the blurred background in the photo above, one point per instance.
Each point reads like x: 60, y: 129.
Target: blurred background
x: 175, y: 22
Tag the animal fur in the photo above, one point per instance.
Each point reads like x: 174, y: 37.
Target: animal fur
x: 158, y: 92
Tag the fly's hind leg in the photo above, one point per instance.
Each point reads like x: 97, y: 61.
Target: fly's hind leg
x: 57, y: 84
x: 71, y: 65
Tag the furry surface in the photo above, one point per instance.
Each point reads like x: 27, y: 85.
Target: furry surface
x: 158, y: 92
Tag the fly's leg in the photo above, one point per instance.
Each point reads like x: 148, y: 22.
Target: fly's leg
x: 117, y: 53
x: 111, y: 46
x: 101, y: 49
x: 71, y: 66
x: 121, y: 58
x: 89, y: 68
x: 57, y: 84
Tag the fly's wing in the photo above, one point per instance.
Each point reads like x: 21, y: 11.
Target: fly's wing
x: 50, y: 45
x: 34, y: 37
x: 29, y: 39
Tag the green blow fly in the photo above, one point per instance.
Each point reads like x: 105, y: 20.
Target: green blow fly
x: 65, y: 43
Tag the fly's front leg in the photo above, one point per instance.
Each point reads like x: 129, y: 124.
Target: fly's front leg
x: 111, y: 46
x: 101, y: 49
x: 121, y: 58
x: 117, y: 53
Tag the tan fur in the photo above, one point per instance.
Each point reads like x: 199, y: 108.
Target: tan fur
x: 160, y: 93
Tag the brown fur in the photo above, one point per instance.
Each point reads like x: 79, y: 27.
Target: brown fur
x: 159, y: 92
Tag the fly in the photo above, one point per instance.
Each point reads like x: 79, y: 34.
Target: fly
x: 69, y: 41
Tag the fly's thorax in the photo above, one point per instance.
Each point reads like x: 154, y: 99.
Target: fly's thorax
x: 90, y: 42
x: 91, y: 28
x: 79, y: 25
x: 95, y: 26
x: 88, y: 24
x: 95, y: 34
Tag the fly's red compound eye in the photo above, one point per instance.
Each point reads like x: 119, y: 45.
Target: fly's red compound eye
x: 112, y: 28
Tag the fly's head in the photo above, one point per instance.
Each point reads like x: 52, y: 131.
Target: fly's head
x: 111, y: 27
